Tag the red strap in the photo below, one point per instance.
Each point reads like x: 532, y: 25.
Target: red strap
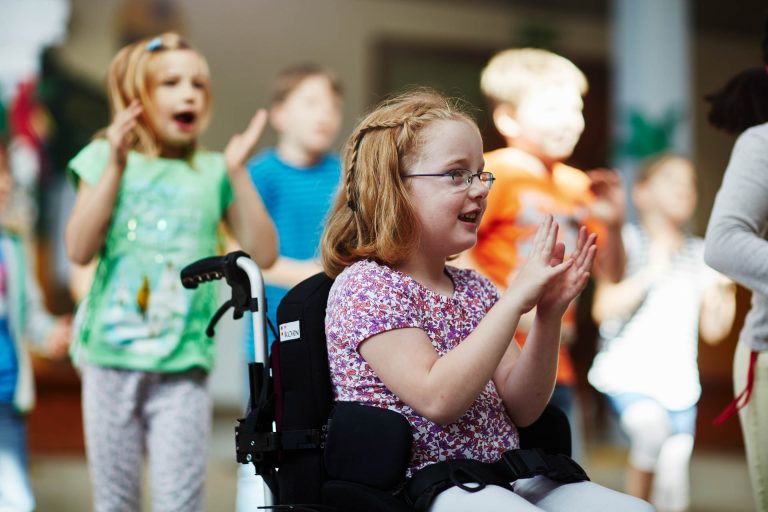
x: 743, y: 397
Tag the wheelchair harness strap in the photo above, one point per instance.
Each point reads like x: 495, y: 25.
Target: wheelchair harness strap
x: 424, y: 486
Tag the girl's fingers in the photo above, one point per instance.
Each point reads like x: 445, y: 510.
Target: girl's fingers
x: 581, y: 239
x: 585, y: 266
x: 590, y: 259
x: 126, y: 120
x: 558, y: 254
x: 559, y: 269
x: 551, y: 240
x: 582, y: 255
x: 542, y: 235
x: 256, y: 126
x: 536, y: 245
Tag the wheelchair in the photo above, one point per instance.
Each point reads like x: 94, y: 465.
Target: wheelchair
x: 317, y: 455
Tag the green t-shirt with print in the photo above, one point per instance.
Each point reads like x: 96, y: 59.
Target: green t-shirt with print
x: 137, y: 314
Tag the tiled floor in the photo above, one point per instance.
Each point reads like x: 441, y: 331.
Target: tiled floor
x: 719, y: 481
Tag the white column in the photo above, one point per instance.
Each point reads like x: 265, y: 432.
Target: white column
x: 652, y: 80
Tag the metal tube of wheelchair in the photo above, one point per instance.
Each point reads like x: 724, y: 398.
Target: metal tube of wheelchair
x: 259, y: 318
x: 259, y: 334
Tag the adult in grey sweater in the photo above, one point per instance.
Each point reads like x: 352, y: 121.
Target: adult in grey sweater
x: 736, y: 242
x: 737, y: 246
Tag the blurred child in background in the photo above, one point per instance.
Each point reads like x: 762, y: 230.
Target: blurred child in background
x: 149, y: 202
x: 736, y: 246
x: 536, y: 101
x: 296, y: 179
x: 22, y: 318
x: 650, y: 323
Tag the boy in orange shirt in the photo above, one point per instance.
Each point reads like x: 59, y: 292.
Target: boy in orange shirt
x: 536, y: 98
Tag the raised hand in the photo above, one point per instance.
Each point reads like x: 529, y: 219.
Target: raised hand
x: 117, y: 133
x: 543, y: 267
x: 241, y: 145
x: 610, y: 203
x: 568, y: 284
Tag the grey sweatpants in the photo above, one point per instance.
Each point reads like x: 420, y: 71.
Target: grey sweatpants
x: 167, y: 415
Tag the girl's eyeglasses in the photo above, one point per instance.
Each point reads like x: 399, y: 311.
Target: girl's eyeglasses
x: 462, y: 178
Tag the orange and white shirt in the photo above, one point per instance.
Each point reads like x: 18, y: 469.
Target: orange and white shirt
x: 523, y: 194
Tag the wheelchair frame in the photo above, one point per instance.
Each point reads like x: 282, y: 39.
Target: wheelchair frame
x: 344, y: 481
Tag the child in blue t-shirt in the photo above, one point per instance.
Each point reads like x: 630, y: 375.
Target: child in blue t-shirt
x: 22, y: 318
x: 297, y: 178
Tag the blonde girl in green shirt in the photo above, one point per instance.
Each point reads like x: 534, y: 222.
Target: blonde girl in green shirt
x: 150, y: 201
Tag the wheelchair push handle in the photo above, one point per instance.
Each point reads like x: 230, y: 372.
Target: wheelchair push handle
x: 245, y: 281
x: 207, y: 269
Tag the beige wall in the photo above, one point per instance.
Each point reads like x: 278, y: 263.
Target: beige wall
x: 248, y: 41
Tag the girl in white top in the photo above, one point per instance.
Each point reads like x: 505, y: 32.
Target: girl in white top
x: 649, y: 327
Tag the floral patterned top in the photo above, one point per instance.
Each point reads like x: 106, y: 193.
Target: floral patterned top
x: 368, y: 299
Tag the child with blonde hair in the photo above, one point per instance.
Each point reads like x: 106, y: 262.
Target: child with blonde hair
x: 536, y: 102
x: 150, y: 201
x: 408, y: 332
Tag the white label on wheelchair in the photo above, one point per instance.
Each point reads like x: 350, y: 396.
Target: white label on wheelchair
x: 290, y: 331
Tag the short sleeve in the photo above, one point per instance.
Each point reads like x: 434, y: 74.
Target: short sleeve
x: 368, y: 300
x: 479, y: 287
x: 88, y: 165
x: 490, y: 293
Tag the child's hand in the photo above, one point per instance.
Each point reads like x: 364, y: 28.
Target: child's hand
x: 610, y: 202
x: 241, y: 145
x: 58, y: 340
x: 117, y: 132
x: 556, y: 297
x: 542, y: 269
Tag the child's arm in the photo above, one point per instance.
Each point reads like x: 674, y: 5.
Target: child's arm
x: 718, y: 309
x: 443, y: 388
x: 90, y: 217
x: 247, y: 217
x: 620, y: 300
x: 609, y: 207
x: 525, y: 378
x: 288, y: 272
x: 735, y: 243
x: 48, y: 334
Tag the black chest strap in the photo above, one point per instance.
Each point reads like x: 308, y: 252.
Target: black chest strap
x: 424, y: 486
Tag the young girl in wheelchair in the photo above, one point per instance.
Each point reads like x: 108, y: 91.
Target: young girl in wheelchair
x: 410, y: 333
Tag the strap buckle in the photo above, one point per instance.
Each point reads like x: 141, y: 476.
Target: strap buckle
x: 526, y: 463
x: 531, y: 462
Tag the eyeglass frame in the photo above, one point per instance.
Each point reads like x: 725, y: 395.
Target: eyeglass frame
x: 468, y: 180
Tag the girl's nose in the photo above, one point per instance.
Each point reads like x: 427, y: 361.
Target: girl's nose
x: 477, y: 188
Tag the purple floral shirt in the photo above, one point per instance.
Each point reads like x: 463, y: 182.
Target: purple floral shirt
x: 368, y: 299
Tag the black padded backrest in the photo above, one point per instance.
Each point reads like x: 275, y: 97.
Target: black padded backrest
x: 551, y: 432
x: 302, y: 384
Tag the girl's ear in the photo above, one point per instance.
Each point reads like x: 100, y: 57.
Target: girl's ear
x: 505, y: 121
